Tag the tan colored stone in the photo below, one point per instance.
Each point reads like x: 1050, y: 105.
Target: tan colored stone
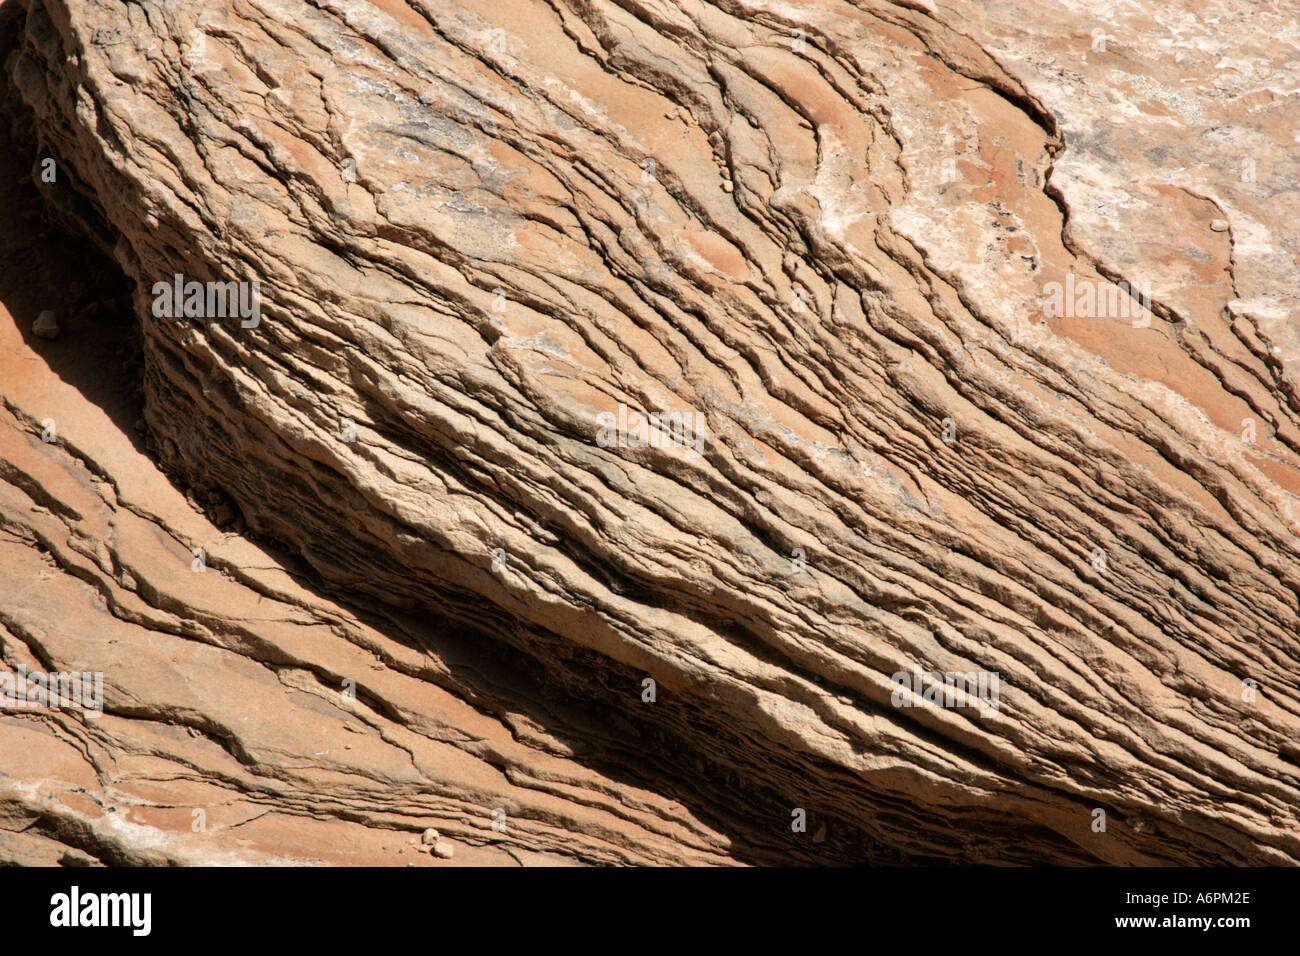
x: 479, y: 228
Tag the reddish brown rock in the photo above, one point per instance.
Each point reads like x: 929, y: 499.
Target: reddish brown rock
x: 486, y: 239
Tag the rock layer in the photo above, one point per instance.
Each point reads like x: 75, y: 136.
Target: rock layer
x: 226, y: 735
x: 480, y: 230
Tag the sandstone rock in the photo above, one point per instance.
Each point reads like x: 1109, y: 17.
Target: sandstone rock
x: 46, y: 325
x: 490, y: 240
x: 444, y: 851
x: 221, y: 690
x: 430, y: 837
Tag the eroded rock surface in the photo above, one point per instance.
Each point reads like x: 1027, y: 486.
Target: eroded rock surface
x: 828, y: 230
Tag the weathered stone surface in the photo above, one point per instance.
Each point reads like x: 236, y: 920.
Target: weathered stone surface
x: 830, y: 230
x: 223, y: 690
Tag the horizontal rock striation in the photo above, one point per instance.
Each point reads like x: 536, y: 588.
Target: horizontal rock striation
x: 840, y: 251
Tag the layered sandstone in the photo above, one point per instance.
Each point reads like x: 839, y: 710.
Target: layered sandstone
x: 824, y: 231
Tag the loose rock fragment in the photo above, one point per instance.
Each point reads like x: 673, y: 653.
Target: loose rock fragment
x: 46, y: 325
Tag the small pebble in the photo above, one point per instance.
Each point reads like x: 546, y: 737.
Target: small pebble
x: 1219, y: 225
x: 443, y: 850
x: 726, y: 186
x: 430, y: 836
x: 46, y: 325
